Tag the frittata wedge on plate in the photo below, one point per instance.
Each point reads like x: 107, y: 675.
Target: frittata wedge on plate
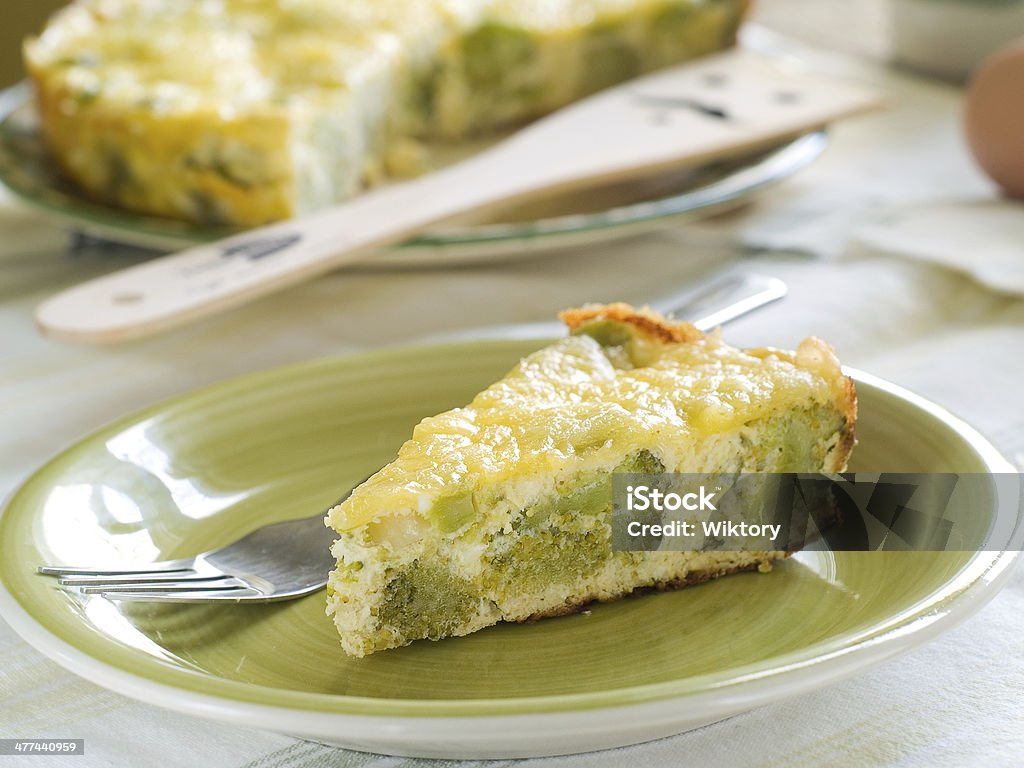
x: 499, y: 511
x: 246, y: 111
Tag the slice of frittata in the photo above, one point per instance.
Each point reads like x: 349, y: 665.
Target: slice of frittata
x: 500, y: 511
x: 242, y: 112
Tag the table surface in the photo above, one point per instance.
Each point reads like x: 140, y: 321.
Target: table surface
x: 956, y: 701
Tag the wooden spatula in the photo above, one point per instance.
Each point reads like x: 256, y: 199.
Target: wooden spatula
x: 720, y: 106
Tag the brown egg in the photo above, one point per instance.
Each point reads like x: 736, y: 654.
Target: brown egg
x: 994, y: 117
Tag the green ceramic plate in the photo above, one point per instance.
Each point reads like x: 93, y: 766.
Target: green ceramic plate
x: 618, y: 211
x: 203, y: 469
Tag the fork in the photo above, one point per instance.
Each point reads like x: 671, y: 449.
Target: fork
x: 287, y: 560
x: 280, y: 561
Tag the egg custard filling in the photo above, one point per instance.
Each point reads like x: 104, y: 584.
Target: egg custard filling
x: 242, y: 112
x: 500, y: 510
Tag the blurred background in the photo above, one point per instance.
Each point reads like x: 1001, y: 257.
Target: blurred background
x: 895, y: 246
x: 945, y: 38
x: 23, y: 17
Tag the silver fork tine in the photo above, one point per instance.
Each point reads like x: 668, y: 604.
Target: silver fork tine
x: 222, y: 583
x: 165, y: 566
x: 155, y: 577
x: 192, y: 596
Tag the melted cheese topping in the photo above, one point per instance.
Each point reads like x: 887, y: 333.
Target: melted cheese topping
x: 578, y: 400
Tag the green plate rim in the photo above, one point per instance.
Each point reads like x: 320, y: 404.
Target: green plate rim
x: 187, y: 692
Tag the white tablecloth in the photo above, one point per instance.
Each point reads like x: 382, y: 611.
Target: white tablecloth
x: 957, y: 701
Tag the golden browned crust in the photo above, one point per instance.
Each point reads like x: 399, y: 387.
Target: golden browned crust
x: 844, y: 400
x: 691, y: 579
x: 644, y: 319
x: 847, y: 403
